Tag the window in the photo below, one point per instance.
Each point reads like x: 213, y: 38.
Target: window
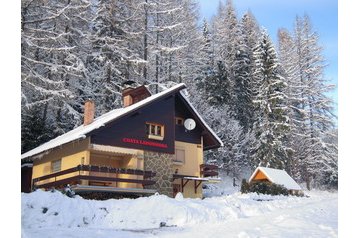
x: 179, y: 155
x: 56, y: 166
x: 155, y: 131
x: 179, y: 121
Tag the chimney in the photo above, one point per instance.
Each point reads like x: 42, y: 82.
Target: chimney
x: 88, y: 113
x: 133, y: 95
x: 127, y: 97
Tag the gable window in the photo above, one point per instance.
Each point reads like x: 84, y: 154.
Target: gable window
x: 155, y: 131
x: 179, y: 121
x: 179, y: 156
x: 56, y: 166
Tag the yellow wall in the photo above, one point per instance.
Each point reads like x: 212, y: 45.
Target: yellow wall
x: 70, y: 155
x: 191, y: 166
x: 193, y: 159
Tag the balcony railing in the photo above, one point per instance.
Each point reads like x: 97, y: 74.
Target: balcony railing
x: 76, y: 176
x: 208, y: 170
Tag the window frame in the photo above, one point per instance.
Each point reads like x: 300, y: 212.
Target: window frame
x: 175, y: 160
x: 177, y: 119
x: 59, y: 161
x: 154, y: 130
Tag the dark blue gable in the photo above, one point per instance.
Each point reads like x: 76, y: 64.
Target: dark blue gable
x: 129, y: 131
x: 181, y: 134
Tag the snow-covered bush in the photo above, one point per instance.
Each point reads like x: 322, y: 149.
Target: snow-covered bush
x: 264, y: 188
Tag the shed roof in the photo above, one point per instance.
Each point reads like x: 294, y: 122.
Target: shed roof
x: 277, y: 176
x: 81, y: 131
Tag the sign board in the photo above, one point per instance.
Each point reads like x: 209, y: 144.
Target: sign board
x: 144, y: 142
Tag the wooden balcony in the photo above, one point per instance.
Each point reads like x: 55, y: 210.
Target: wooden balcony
x: 104, y: 176
x: 208, y: 170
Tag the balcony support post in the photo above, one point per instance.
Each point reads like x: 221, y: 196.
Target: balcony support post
x: 197, y: 185
x: 183, y: 184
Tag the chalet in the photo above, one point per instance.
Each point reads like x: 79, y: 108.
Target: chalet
x: 155, y: 143
x: 276, y: 176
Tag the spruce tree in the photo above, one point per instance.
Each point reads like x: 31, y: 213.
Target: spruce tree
x: 271, y: 127
x: 35, y: 128
x: 244, y: 70
x: 290, y: 70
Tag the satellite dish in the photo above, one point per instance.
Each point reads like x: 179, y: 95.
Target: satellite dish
x: 189, y: 124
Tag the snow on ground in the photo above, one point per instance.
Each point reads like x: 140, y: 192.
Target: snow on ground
x: 225, y: 187
x: 52, y: 214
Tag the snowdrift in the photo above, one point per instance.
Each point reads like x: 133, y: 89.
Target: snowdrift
x: 53, y: 209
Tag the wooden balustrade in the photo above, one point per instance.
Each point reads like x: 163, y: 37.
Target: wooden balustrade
x: 208, y: 170
x: 77, y: 178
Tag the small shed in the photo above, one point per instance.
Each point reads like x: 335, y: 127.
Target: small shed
x: 276, y: 176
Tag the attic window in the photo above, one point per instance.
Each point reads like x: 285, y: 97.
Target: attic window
x: 179, y: 121
x: 155, y: 131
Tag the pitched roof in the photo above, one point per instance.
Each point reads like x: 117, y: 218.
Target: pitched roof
x: 277, y: 176
x: 81, y: 131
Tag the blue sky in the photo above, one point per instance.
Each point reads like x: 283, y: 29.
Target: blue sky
x: 274, y: 14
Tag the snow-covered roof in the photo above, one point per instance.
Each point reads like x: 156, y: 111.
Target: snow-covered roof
x: 277, y: 176
x: 81, y: 131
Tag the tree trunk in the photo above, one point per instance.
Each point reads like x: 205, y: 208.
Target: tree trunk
x: 156, y: 56
x: 145, y: 54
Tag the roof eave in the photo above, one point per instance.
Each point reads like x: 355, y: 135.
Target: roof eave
x: 212, y: 147
x: 44, y: 152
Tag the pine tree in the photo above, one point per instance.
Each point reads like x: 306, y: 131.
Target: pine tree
x: 272, y: 127
x: 243, y: 84
x: 242, y: 105
x: 229, y: 158
x: 206, y: 56
x: 106, y: 64
x: 290, y: 70
x: 51, y: 66
x: 317, y: 105
x: 35, y: 128
x: 228, y: 37
x: 215, y: 79
x: 174, y: 41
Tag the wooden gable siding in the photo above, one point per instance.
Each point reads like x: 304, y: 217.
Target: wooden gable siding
x: 130, y: 131
x: 260, y: 176
x: 193, y: 136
